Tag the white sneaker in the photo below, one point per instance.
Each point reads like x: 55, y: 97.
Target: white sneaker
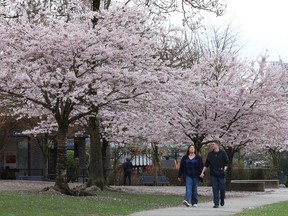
x: 186, y: 203
x: 194, y: 205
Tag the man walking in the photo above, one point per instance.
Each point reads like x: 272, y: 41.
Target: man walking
x: 127, y: 171
x: 217, y: 160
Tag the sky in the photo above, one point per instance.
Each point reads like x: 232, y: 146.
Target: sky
x: 262, y: 24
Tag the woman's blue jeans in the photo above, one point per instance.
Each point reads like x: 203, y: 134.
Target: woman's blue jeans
x: 191, y: 189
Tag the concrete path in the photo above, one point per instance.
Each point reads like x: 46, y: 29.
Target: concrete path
x: 232, y: 205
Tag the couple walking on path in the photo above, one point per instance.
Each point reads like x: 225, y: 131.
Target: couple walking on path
x: 192, y: 170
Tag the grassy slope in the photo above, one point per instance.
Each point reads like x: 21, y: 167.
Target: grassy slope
x: 277, y: 209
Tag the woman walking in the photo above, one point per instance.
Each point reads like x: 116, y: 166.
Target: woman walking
x: 191, y: 166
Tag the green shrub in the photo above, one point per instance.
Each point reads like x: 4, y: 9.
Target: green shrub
x: 254, y: 173
x: 72, y: 167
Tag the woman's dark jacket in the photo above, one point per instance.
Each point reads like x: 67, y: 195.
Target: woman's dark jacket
x: 197, y: 169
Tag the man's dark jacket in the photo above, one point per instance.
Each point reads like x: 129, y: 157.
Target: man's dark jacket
x: 216, y: 161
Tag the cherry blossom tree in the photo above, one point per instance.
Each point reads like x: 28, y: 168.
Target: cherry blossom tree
x: 68, y: 70
x: 231, y: 101
x: 222, y: 96
x: 62, y: 12
x: 217, y: 73
x: 82, y: 82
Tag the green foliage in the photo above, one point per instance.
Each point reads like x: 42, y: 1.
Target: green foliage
x: 105, y: 204
x: 277, y: 209
x: 72, y: 166
x: 254, y: 173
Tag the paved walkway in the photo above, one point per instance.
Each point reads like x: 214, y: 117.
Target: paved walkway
x: 232, y: 206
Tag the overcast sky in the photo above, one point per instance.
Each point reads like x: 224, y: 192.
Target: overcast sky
x: 263, y: 24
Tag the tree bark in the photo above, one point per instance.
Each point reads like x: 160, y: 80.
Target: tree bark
x: 105, y: 158
x: 96, y: 176
x: 61, y: 165
x: 156, y: 161
x: 96, y: 5
x: 198, y: 142
x: 230, y: 153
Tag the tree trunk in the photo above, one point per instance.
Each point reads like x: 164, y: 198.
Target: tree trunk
x: 45, y: 162
x: 275, y: 155
x: 275, y: 158
x: 197, y: 141
x: 96, y: 176
x: 61, y: 165
x: 115, y: 166
x: 230, y: 153
x: 95, y: 7
x: 156, y: 161
x: 105, y: 158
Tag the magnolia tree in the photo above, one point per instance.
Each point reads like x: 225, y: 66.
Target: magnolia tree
x: 70, y: 69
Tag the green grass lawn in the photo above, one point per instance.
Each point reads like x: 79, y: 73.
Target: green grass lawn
x: 106, y: 203
x: 277, y: 209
